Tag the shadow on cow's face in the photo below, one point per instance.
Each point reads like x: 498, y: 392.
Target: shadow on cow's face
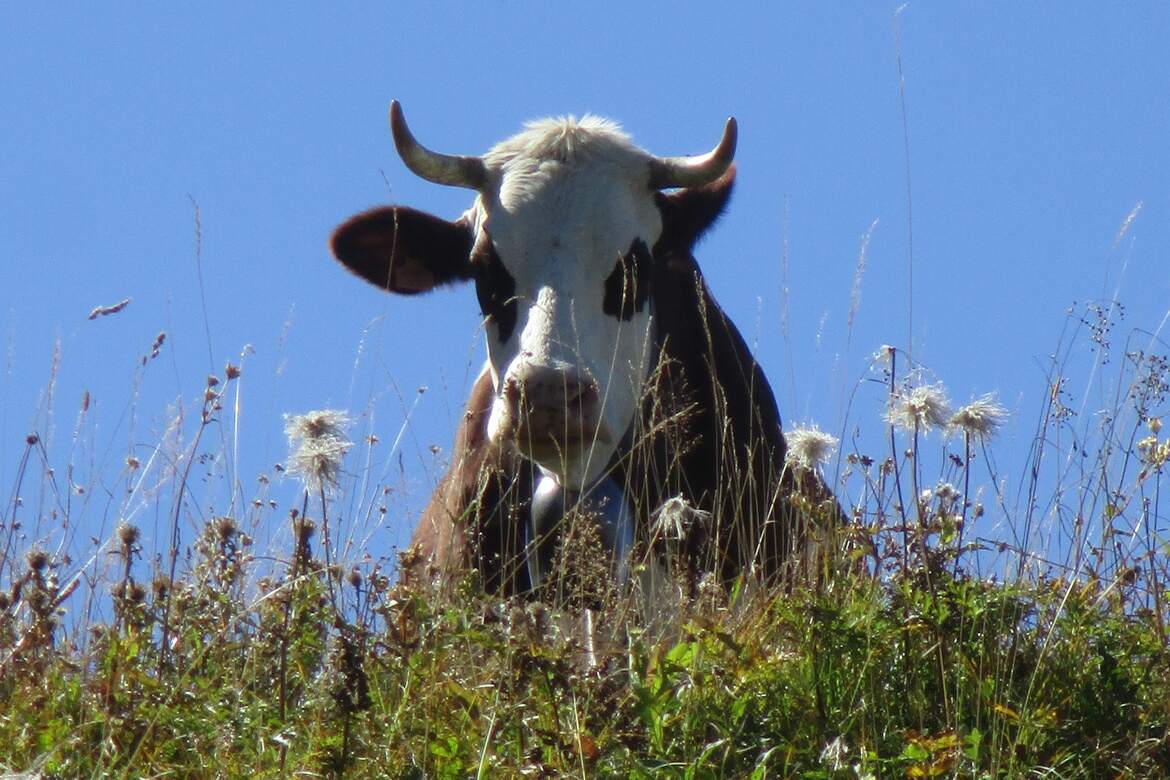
x: 558, y: 246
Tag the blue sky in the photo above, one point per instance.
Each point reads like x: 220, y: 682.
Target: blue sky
x: 1033, y: 131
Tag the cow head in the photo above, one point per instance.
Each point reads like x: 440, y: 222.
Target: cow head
x: 560, y: 246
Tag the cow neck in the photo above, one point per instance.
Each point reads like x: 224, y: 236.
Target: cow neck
x: 604, y: 500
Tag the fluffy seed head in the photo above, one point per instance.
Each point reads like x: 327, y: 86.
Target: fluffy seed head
x: 675, y: 517
x: 809, y: 447
x: 982, y: 417
x: 318, y: 444
x: 919, y: 409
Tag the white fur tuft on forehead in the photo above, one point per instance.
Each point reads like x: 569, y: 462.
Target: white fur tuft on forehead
x: 567, y: 140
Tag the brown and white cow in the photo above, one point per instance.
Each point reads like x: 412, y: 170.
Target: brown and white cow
x: 613, y: 377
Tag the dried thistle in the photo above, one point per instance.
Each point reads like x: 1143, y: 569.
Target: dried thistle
x: 809, y: 447
x: 919, y: 409
x: 128, y: 534
x: 37, y: 560
x: 318, y: 444
x: 674, y: 518
x: 980, y: 418
x: 226, y: 528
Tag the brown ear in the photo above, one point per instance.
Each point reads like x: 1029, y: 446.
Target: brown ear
x: 404, y: 250
x: 687, y: 214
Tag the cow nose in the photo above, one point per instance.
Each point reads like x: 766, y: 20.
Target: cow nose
x: 553, y: 402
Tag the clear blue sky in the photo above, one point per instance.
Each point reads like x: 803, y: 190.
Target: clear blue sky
x: 1033, y: 131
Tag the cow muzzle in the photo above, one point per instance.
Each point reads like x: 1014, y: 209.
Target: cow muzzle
x: 552, y: 414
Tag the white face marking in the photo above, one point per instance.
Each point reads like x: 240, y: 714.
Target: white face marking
x: 565, y: 201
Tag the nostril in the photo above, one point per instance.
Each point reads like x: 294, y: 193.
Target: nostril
x: 580, y: 394
x: 550, y: 391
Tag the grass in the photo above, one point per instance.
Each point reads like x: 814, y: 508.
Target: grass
x: 961, y: 632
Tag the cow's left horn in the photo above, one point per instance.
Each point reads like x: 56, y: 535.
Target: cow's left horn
x: 667, y: 172
x: 455, y: 170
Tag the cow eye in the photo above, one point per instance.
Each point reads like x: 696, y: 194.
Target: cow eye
x: 496, y: 290
x: 628, y: 286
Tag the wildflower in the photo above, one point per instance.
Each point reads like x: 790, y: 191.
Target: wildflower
x: 1155, y: 452
x: 225, y: 528
x: 160, y: 586
x: 134, y: 592
x: 980, y: 418
x: 921, y: 408
x: 675, y: 518
x: 946, y: 492
x: 318, y: 444
x: 37, y: 559
x: 128, y: 534
x: 809, y: 447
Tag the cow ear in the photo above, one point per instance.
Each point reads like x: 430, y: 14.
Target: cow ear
x: 404, y: 250
x: 687, y: 214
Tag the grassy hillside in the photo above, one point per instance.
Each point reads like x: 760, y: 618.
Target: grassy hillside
x: 952, y: 632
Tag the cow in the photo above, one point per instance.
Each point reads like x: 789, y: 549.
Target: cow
x: 613, y: 380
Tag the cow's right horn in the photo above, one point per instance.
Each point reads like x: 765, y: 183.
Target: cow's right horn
x: 454, y: 170
x: 667, y: 172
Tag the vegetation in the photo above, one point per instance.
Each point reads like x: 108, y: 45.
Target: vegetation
x: 942, y: 638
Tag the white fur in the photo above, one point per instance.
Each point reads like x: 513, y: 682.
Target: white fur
x: 564, y: 200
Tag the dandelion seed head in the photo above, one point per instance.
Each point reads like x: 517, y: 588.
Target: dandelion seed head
x: 920, y: 408
x: 982, y: 417
x: 318, y: 442
x: 809, y: 447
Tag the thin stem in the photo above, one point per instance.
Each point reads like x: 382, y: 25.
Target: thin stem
x: 209, y: 400
x: 897, y: 468
x: 298, y: 553
x: 966, y: 498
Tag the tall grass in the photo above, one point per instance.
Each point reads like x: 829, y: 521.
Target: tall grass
x: 962, y: 630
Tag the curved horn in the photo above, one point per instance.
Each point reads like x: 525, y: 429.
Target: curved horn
x: 455, y: 170
x: 667, y: 172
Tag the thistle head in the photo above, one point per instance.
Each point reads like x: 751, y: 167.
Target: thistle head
x: 919, y: 408
x: 809, y: 447
x: 318, y: 442
x: 980, y: 418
